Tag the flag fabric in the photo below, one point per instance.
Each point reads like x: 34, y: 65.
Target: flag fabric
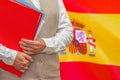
x: 94, y: 53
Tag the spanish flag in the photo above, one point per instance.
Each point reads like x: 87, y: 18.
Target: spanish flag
x: 94, y: 53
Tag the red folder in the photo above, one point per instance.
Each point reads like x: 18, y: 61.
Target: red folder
x: 16, y: 21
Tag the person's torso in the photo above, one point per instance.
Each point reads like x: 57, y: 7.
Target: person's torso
x: 45, y: 66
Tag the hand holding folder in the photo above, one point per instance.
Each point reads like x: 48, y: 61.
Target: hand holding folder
x: 17, y: 21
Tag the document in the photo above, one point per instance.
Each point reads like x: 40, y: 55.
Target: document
x: 17, y: 21
x: 39, y: 10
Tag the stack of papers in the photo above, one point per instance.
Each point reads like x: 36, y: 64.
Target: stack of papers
x: 18, y: 19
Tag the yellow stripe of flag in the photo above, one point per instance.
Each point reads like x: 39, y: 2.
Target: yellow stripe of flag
x: 106, y: 31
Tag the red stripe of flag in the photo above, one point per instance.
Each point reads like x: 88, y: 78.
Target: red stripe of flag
x: 89, y: 71
x: 93, y: 6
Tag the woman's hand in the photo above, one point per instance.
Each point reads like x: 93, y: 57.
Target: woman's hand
x: 32, y: 47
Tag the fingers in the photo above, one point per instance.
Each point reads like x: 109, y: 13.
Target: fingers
x: 29, y: 45
x: 29, y: 58
x: 25, y: 64
x: 32, y: 47
x: 23, y: 68
x: 28, y: 52
x: 30, y: 42
x: 22, y: 61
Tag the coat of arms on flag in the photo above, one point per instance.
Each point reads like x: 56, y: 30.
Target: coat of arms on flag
x: 82, y: 38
